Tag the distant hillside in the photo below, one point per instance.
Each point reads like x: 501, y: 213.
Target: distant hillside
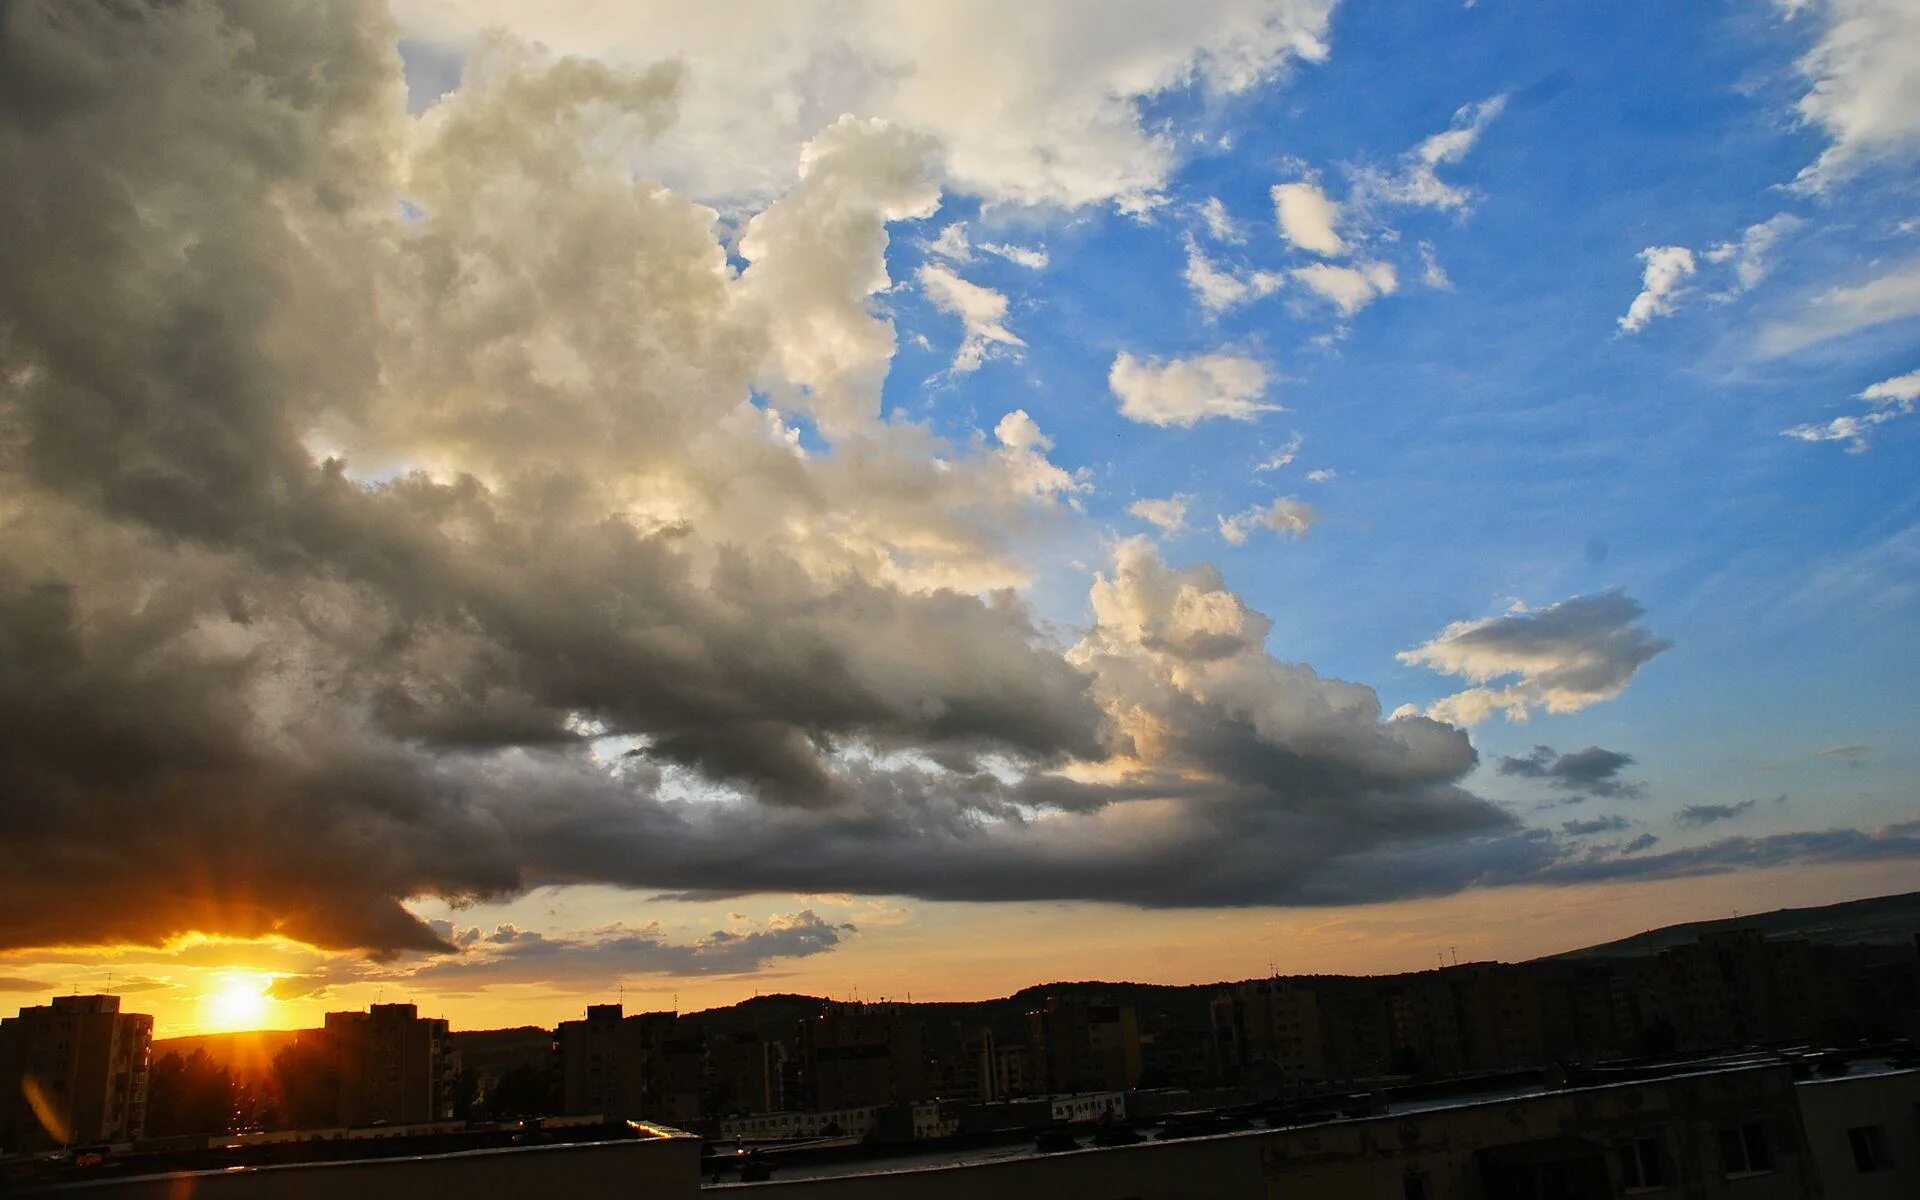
x: 247, y: 1055
x: 1881, y: 920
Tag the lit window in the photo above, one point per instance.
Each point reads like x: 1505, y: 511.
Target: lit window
x: 1744, y: 1151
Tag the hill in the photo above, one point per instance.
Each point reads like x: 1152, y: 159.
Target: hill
x: 1879, y: 920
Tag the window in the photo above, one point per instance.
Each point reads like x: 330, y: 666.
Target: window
x: 1643, y: 1164
x: 1744, y: 1151
x: 1869, y: 1148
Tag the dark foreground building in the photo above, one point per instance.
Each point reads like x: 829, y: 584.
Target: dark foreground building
x: 73, y: 1072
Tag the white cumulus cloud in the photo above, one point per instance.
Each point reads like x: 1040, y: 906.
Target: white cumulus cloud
x: 1308, y: 218
x: 1186, y: 391
x: 1666, y: 270
x: 1170, y: 513
x: 1220, y: 289
x: 1288, y: 517
x: 1348, y: 289
x: 982, y: 312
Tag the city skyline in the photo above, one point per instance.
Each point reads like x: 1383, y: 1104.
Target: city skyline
x: 509, y: 510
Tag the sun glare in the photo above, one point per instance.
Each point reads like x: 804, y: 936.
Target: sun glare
x: 239, y: 1001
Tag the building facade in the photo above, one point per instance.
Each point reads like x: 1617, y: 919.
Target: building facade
x: 394, y: 1066
x: 73, y: 1072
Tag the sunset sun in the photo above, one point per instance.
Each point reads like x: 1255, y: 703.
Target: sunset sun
x: 239, y: 1001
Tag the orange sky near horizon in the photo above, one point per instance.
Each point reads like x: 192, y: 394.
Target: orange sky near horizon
x: 946, y: 952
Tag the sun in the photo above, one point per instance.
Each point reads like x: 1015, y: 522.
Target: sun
x: 239, y: 1001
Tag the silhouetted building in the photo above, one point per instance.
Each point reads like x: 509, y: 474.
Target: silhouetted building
x: 747, y: 1072
x: 394, y: 1066
x: 857, y: 1055
x: 963, y: 1069
x: 1080, y: 1046
x: 73, y: 1072
x: 1267, y: 1033
x: 1011, y: 1071
x: 644, y: 1067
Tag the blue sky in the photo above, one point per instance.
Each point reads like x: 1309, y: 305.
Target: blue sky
x: 1502, y: 439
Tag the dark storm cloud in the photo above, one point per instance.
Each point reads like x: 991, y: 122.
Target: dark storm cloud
x: 1581, y: 828
x: 1592, y: 771
x: 1708, y: 814
x: 622, y: 951
x: 1890, y: 842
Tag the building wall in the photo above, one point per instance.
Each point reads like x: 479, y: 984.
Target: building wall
x: 1832, y: 1108
x: 394, y: 1066
x: 665, y: 1168
x: 73, y: 1072
x: 1459, y: 1151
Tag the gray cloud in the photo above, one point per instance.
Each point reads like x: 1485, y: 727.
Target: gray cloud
x: 1608, y: 824
x: 1707, y: 814
x: 14, y: 983
x: 251, y: 688
x: 1592, y: 771
x: 1562, y: 658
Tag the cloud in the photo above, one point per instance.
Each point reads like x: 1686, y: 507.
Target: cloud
x: 1023, y: 450
x: 1027, y: 106
x: 1593, y: 771
x: 620, y: 951
x: 1322, y: 475
x: 1583, y: 828
x: 1185, y: 391
x: 1645, y: 841
x: 1219, y: 222
x: 1288, y: 517
x: 1708, y: 814
x: 1034, y: 258
x: 1864, y: 77
x: 1219, y: 290
x: 1749, y: 255
x: 1170, y: 514
x: 982, y: 311
x: 953, y: 243
x: 14, y: 983
x: 1283, y: 457
x: 1562, y: 658
x: 1350, y: 289
x: 1850, y: 753
x: 1667, y: 268
x: 358, y: 554
x: 1891, y: 296
x: 1417, y: 182
x: 1891, y: 398
x: 1308, y: 219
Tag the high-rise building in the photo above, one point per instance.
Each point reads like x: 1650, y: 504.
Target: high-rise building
x: 644, y: 1067
x: 861, y: 1054
x: 1267, y: 1032
x: 747, y: 1072
x: 394, y: 1066
x: 72, y: 1072
x: 1081, y: 1046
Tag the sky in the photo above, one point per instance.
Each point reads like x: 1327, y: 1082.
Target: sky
x: 511, y: 508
